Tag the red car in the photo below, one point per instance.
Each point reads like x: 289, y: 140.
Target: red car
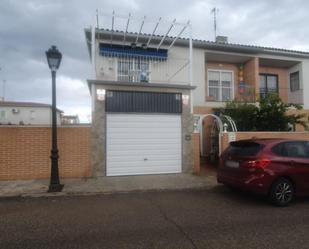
x: 277, y: 168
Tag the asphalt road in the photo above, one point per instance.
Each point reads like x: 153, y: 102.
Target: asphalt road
x: 215, y: 218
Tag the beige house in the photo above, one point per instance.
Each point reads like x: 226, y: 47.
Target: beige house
x: 132, y: 123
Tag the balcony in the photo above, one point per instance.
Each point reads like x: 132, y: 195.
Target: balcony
x: 264, y: 92
x: 135, y: 65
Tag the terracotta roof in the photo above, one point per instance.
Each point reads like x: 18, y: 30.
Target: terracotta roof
x: 210, y: 44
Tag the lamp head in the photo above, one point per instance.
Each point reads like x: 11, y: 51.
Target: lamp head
x: 53, y: 58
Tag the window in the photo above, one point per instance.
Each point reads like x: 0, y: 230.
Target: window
x: 268, y: 84
x: 133, y: 70
x: 220, y: 85
x: 241, y: 148
x: 294, y: 81
x: 2, y: 114
x: 32, y: 114
x: 290, y: 149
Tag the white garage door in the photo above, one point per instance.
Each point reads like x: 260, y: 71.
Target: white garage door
x: 143, y: 144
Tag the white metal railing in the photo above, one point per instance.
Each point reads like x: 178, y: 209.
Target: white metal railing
x: 148, y: 69
x: 178, y: 70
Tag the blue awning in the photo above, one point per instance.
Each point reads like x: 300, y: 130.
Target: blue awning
x: 138, y: 52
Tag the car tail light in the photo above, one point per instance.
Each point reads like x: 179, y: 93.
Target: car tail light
x: 256, y: 164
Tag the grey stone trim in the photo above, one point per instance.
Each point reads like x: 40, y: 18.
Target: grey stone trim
x: 98, y: 130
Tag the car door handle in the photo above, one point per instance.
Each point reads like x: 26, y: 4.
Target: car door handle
x: 292, y: 162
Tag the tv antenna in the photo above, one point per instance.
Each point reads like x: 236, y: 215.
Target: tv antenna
x: 215, y: 11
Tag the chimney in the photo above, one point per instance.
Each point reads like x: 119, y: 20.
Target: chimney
x: 221, y: 39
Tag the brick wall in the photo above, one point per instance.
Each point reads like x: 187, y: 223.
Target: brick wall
x: 249, y: 135
x: 304, y: 112
x: 196, y: 153
x: 251, y: 77
x: 25, y: 152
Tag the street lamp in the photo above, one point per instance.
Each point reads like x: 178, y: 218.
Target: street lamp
x: 54, y: 58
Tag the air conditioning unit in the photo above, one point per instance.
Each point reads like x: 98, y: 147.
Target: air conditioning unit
x: 15, y: 110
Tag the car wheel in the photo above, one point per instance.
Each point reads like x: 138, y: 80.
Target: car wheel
x: 281, y: 192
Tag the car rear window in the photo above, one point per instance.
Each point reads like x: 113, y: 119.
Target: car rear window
x: 244, y: 148
x: 291, y: 149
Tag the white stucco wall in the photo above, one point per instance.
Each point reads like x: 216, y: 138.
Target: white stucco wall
x: 174, y: 70
x: 305, y: 80
x: 199, y: 77
x: 27, y: 115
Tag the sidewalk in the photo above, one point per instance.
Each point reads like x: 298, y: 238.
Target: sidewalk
x: 38, y: 188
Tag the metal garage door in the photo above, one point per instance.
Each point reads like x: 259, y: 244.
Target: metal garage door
x: 143, y: 144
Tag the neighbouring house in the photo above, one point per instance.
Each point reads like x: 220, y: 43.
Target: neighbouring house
x: 69, y: 119
x: 143, y: 102
x: 26, y: 113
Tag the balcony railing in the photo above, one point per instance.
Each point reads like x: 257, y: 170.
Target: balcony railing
x: 130, y: 67
x: 266, y: 91
x: 296, y: 97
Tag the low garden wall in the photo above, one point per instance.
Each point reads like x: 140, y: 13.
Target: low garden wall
x: 25, y: 152
x: 227, y: 137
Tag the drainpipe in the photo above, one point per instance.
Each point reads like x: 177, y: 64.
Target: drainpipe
x: 191, y: 66
x: 93, y: 52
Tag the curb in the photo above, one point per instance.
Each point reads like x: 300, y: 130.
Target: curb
x: 72, y: 194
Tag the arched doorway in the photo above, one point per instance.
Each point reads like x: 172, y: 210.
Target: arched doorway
x: 211, y: 128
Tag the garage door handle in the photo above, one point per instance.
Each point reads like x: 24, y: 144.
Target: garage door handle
x: 145, y: 159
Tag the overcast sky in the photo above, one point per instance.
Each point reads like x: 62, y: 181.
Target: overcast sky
x: 29, y: 27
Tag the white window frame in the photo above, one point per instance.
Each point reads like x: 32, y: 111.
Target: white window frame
x: 220, y: 85
x: 132, y: 60
x: 3, y: 115
x: 294, y: 89
x: 32, y: 114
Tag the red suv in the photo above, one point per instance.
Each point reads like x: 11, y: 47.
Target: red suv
x: 277, y: 168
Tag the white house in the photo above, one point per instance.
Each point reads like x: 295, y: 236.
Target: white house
x: 26, y: 113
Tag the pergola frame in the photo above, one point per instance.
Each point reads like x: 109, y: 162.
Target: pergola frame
x: 143, y: 20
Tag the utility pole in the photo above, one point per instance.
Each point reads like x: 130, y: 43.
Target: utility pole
x: 214, y: 11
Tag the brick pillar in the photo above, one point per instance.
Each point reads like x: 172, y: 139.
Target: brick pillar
x: 196, y: 153
x: 224, y: 141
x: 251, y: 77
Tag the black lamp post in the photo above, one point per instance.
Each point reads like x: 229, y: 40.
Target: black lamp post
x: 54, y: 58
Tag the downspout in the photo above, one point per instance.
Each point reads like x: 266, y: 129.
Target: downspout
x: 191, y: 66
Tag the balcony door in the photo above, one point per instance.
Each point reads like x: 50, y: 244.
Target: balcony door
x: 133, y: 70
x: 268, y: 84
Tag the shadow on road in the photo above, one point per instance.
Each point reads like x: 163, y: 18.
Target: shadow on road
x: 247, y: 198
